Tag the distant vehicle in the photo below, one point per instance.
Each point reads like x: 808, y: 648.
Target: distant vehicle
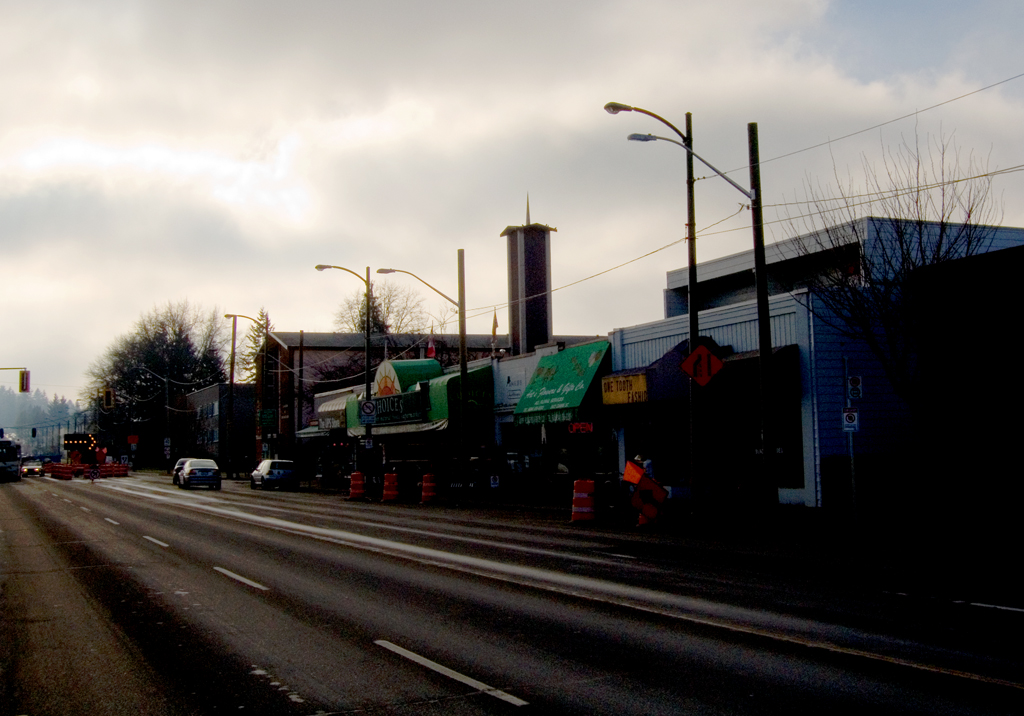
x: 176, y: 473
x: 10, y: 460
x: 275, y: 473
x: 195, y: 473
x: 31, y: 468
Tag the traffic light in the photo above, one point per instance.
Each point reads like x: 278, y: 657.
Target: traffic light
x: 23, y: 381
x: 108, y: 398
x: 33, y: 432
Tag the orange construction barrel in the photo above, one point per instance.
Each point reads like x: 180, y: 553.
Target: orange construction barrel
x: 429, y: 489
x: 582, y: 500
x: 390, y: 487
x: 357, y: 487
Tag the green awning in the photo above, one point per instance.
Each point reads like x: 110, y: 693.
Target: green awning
x: 560, y: 383
x: 443, y: 397
x: 401, y: 376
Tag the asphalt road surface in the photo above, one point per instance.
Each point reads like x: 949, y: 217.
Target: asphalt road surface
x: 130, y: 596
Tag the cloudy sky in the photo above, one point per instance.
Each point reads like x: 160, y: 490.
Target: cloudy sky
x: 159, y: 150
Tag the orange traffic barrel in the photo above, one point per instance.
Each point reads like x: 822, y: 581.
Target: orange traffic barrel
x: 390, y: 487
x: 429, y: 489
x: 357, y: 487
x: 582, y: 500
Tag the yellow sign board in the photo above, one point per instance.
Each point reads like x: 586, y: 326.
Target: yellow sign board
x: 623, y: 389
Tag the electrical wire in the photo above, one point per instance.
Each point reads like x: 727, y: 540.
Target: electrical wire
x: 881, y: 124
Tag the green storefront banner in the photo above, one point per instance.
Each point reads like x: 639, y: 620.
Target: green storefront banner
x: 559, y: 384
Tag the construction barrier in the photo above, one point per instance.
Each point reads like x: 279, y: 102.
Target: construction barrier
x: 66, y: 471
x: 429, y: 489
x: 61, y: 471
x: 390, y: 487
x: 582, y: 500
x: 357, y: 487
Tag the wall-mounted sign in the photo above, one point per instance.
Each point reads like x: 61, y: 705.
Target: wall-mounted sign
x: 400, y: 408
x: 623, y: 389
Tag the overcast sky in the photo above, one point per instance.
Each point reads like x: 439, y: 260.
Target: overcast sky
x: 161, y: 150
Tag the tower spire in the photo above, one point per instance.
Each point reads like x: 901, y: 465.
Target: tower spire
x: 527, y: 208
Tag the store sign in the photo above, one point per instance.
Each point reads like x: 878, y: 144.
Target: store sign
x: 401, y: 408
x: 623, y: 389
x: 581, y: 428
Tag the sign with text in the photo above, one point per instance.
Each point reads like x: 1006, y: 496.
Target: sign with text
x: 400, y: 408
x: 624, y: 389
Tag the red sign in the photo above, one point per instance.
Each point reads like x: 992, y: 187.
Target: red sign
x: 701, y: 365
x: 581, y: 427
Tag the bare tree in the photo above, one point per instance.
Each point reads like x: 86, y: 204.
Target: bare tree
x: 396, y: 308
x: 929, y: 206
x: 445, y: 315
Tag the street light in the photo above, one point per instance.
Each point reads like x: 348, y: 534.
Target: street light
x: 231, y: 381
x: 764, y: 331
x: 691, y: 250
x: 366, y: 336
x: 691, y: 231
x: 463, y: 370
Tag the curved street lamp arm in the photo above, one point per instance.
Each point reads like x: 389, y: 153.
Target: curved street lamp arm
x: 616, y: 107
x: 649, y: 137
x: 239, y: 315
x: 321, y: 267
x: 446, y: 297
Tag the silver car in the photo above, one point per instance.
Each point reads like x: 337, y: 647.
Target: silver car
x: 199, y: 472
x: 275, y: 473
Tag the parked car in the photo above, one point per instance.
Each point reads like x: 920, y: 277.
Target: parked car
x: 176, y: 472
x: 31, y: 467
x: 195, y: 473
x: 283, y: 474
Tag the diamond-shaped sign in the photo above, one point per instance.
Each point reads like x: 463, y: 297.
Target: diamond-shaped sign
x: 701, y: 365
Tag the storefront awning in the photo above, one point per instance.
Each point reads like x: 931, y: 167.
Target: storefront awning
x: 403, y: 428
x: 332, y: 413
x: 428, y: 405
x: 560, y: 383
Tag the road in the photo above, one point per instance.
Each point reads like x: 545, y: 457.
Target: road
x: 129, y: 596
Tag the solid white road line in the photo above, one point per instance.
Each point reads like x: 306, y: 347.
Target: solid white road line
x: 423, y: 661
x: 154, y: 540
x: 242, y: 579
x: 111, y: 521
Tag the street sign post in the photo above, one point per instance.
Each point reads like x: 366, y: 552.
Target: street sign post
x: 854, y: 387
x: 851, y: 420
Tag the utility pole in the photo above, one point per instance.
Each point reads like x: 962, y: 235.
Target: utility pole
x: 766, y: 484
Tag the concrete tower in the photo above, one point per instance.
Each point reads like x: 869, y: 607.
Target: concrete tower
x: 529, y: 284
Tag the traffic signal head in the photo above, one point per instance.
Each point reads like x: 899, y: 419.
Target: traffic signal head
x: 24, y: 382
x: 108, y: 398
